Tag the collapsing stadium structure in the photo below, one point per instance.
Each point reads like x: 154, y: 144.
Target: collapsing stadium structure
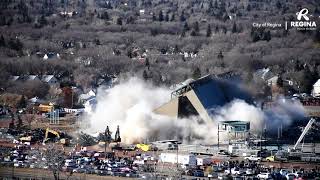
x: 202, y: 97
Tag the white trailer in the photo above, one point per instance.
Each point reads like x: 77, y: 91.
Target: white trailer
x: 185, y: 159
x: 201, y: 161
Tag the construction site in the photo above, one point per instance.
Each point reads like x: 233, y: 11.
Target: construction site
x: 265, y: 140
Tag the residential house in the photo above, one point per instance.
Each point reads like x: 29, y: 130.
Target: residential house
x: 50, y: 80
x: 264, y: 73
x: 272, y: 81
x: 87, y: 96
x: 50, y: 55
x: 14, y: 78
x: 90, y: 105
x: 316, y: 89
x: 107, y: 81
x: 32, y: 78
x: 142, y: 12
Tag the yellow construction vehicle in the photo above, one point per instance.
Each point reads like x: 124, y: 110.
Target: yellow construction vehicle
x: 45, y: 108
x: 56, y: 134
x: 144, y: 147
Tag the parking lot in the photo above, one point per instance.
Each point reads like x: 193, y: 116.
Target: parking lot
x: 115, y: 165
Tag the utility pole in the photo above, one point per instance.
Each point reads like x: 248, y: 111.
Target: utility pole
x: 177, y: 155
x: 265, y: 136
x: 218, y: 136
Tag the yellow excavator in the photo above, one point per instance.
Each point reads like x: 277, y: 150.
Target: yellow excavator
x: 56, y: 134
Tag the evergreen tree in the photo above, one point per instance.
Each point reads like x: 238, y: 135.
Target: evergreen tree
x: 307, y: 80
x: 161, y: 16
x: 196, y: 27
x: 280, y: 82
x: 19, y: 124
x: 15, y: 44
x: 278, y: 4
x: 130, y: 20
x: 317, y: 36
x: 3, y: 20
x: 183, y: 33
x: 186, y: 26
x: 145, y: 75
x: 234, y: 28
x: 22, y: 102
x: 210, y: 6
x: 209, y: 32
x: 172, y: 17
x: 43, y: 21
x: 215, y: 4
x: 216, y: 29
x: 220, y: 55
x: 119, y: 21
x: 147, y: 63
x: 196, y: 73
x: 316, y: 11
x: 97, y: 41
x: 166, y: 17
x: 105, y: 16
x: 193, y: 33
x: 109, y: 6
x: 248, y: 7
x: 182, y: 17
x: 2, y: 41
x: 11, y: 124
x: 154, y: 18
x: 267, y: 35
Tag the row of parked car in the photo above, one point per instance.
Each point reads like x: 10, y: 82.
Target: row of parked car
x: 250, y: 170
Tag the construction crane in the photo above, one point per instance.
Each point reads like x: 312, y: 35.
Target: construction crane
x: 304, y: 132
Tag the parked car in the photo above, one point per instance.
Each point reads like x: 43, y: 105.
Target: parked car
x: 198, y: 173
x: 252, y: 158
x: 213, y: 175
x: 264, y: 176
x: 291, y: 176
x: 249, y: 172
x: 236, y: 171
x: 18, y: 164
x: 283, y: 172
x: 275, y: 158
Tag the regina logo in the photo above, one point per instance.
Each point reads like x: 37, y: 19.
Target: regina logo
x: 303, y: 22
x: 303, y: 14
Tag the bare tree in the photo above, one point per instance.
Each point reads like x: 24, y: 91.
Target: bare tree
x: 54, y: 158
x: 29, y: 118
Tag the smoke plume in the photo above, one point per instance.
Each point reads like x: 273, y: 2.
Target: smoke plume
x: 131, y: 103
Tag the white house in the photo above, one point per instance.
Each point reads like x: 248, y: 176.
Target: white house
x: 33, y: 78
x: 14, y: 78
x: 142, y: 12
x: 86, y: 96
x: 272, y: 81
x: 316, y: 89
x: 264, y: 73
x: 50, y: 79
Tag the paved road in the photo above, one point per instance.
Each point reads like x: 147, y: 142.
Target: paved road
x: 9, y: 172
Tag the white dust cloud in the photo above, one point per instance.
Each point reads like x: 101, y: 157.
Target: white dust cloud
x: 131, y: 103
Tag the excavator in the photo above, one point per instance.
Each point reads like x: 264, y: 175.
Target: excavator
x: 106, y: 138
x: 63, y: 141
